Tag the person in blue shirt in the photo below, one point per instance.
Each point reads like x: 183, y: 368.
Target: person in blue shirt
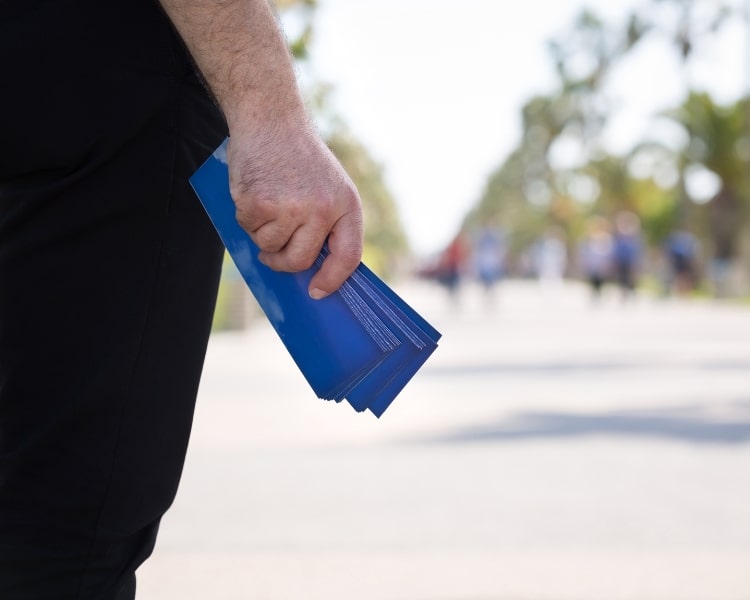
x: 627, y: 248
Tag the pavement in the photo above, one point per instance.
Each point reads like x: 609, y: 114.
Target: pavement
x: 550, y: 449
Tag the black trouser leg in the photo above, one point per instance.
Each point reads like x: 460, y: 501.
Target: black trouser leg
x: 107, y: 286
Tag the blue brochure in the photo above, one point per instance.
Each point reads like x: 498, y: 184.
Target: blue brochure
x: 363, y: 343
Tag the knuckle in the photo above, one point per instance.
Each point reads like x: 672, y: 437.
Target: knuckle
x: 347, y: 258
x: 245, y: 217
x: 300, y: 261
x: 351, y: 253
x: 266, y: 242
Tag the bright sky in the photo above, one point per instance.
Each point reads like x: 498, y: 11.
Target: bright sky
x: 433, y: 89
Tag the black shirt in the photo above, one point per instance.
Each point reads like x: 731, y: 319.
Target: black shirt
x: 81, y: 76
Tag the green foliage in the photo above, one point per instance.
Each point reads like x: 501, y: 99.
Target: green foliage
x: 694, y: 21
x: 716, y: 137
x: 657, y: 208
x: 715, y: 134
x: 528, y: 192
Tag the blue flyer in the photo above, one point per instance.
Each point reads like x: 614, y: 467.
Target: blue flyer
x: 363, y: 343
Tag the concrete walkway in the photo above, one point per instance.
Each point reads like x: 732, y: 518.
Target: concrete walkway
x: 549, y: 450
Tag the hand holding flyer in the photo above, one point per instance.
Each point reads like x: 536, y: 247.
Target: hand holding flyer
x: 363, y: 343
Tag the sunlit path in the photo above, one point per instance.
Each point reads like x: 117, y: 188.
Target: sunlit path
x: 550, y: 449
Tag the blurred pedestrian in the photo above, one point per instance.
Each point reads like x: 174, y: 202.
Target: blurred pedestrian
x: 489, y: 256
x: 627, y: 251
x: 550, y: 256
x: 681, y: 250
x: 452, y: 264
x: 595, y: 254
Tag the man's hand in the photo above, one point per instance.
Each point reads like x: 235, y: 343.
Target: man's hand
x: 291, y: 193
x: 291, y: 196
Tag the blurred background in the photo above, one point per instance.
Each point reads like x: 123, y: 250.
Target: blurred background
x: 563, y: 190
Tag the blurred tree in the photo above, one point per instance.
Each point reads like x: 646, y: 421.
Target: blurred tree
x: 504, y: 201
x: 560, y: 163
x: 657, y: 209
x: 584, y: 57
x: 717, y: 149
x: 523, y: 193
x: 686, y: 23
x: 615, y: 184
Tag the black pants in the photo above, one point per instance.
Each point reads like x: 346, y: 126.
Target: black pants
x: 108, y: 275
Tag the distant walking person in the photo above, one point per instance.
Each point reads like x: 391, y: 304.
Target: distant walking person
x: 489, y: 256
x: 681, y: 250
x: 595, y: 255
x: 551, y: 258
x: 452, y: 263
x: 627, y: 251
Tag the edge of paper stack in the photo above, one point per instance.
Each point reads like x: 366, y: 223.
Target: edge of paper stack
x: 362, y: 344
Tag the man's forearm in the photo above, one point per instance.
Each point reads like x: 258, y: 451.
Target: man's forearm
x: 243, y: 56
x: 291, y: 193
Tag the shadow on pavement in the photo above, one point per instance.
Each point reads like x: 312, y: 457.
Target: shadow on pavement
x: 697, y: 424
x: 561, y: 368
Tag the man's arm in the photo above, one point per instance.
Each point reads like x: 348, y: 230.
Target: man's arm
x: 290, y: 192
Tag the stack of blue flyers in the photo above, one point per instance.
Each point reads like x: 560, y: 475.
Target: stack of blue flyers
x: 362, y: 344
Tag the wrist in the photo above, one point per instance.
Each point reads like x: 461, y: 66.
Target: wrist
x: 253, y: 116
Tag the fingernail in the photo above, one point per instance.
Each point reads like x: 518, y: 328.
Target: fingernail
x: 317, y: 294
